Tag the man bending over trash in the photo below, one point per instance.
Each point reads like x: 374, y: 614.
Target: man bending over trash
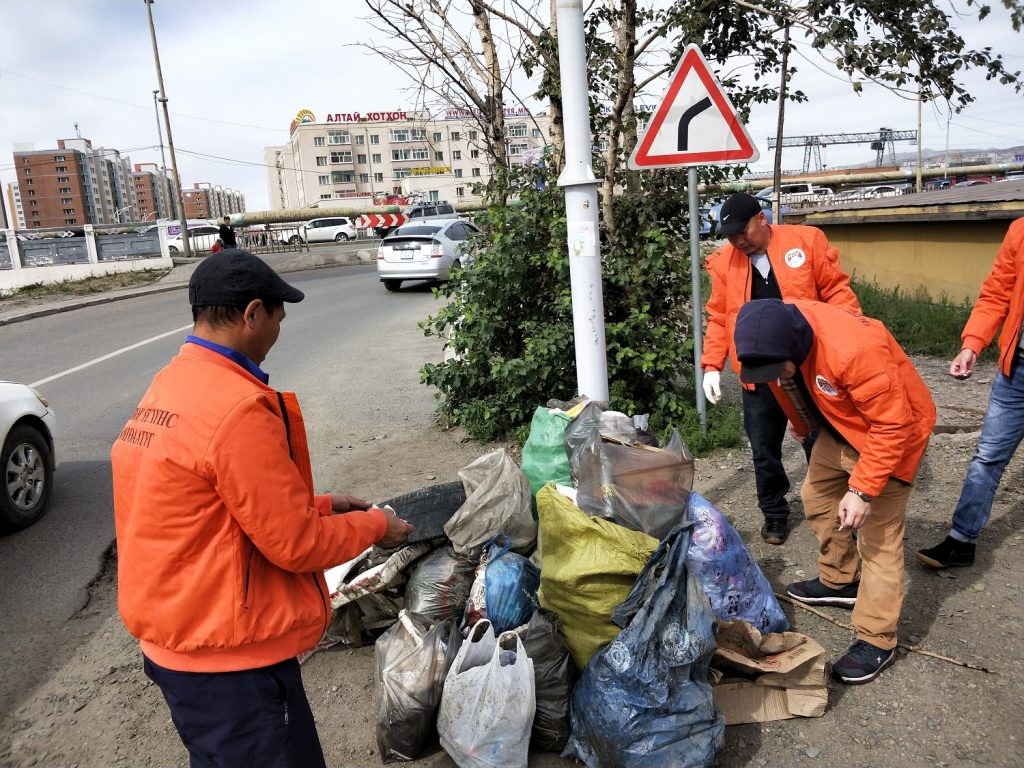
x: 846, y: 374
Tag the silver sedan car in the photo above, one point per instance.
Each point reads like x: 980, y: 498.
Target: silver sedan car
x: 422, y: 251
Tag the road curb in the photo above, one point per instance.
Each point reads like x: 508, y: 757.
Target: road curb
x: 104, y: 298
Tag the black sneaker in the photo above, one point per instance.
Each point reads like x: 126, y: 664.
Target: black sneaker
x: 862, y: 663
x: 775, y: 529
x: 813, y: 592
x: 949, y: 554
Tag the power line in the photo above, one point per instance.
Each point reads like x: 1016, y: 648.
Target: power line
x: 4, y: 71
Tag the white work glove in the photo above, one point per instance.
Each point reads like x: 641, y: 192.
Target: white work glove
x: 712, y: 386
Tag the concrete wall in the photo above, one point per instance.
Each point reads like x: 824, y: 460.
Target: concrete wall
x: 56, y: 259
x: 949, y: 258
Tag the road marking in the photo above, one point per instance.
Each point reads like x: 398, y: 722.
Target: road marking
x: 115, y: 353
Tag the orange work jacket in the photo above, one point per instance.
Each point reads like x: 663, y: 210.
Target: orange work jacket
x: 866, y: 387
x: 1000, y: 301
x: 806, y: 266
x: 221, y: 542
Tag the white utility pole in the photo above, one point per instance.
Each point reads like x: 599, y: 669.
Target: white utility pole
x: 580, y: 185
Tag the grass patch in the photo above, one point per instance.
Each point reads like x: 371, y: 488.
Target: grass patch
x: 85, y: 286
x: 922, y: 325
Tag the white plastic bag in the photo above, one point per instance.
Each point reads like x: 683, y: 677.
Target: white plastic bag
x: 488, y: 702
x: 497, y: 501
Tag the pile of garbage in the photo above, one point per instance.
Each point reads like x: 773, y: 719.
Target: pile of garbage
x: 571, y: 605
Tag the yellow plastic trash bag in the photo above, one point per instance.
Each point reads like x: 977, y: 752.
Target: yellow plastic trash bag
x: 588, y: 567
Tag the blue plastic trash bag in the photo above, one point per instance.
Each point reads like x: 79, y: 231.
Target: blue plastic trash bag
x: 731, y: 579
x: 510, y: 585
x: 644, y: 700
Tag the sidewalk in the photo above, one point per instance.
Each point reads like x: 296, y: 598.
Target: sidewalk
x: 178, y: 277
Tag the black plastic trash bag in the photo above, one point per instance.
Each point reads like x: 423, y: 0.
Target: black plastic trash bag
x: 644, y: 700
x: 554, y: 674
x: 413, y: 658
x: 438, y: 585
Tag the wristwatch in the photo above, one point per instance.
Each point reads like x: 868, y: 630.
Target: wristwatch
x: 863, y: 496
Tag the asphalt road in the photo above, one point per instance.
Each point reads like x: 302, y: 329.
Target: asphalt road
x: 347, y: 350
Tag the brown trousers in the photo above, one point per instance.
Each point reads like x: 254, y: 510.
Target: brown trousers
x: 879, y: 541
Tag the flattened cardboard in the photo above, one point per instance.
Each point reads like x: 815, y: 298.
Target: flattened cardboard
x: 788, y: 669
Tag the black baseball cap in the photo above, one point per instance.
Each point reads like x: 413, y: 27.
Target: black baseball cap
x: 233, y: 278
x: 736, y: 212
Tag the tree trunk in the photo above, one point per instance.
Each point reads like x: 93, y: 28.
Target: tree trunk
x: 624, y: 31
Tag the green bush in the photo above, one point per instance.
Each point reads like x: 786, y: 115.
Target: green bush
x: 922, y: 325
x: 508, y: 318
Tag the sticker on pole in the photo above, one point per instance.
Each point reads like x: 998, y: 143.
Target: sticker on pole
x: 695, y: 123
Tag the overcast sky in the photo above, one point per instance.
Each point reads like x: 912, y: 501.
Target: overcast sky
x: 237, y: 72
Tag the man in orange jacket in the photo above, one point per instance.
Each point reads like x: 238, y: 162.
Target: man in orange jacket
x: 1000, y: 302
x: 221, y: 541
x: 846, y: 375
x: 765, y: 261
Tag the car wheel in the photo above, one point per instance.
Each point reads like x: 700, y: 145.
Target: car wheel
x: 172, y: 250
x: 341, y: 237
x: 392, y: 285
x: 28, y: 478
x: 294, y: 240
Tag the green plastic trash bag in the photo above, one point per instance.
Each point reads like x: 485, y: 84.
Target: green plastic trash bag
x: 588, y: 567
x: 544, y: 458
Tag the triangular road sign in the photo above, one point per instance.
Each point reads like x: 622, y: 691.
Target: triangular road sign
x: 695, y: 123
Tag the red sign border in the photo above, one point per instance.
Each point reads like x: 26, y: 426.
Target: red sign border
x: 693, y: 59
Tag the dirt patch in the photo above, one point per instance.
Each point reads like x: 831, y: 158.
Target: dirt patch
x: 96, y: 708
x: 33, y: 295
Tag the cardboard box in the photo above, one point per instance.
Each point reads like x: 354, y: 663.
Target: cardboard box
x: 756, y: 679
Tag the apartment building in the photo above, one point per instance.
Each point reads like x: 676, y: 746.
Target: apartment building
x: 76, y: 184
x: 372, y: 154
x: 15, y: 210
x: 154, y: 198
x: 209, y: 201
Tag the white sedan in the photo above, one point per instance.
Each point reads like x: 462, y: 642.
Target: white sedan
x: 28, y: 460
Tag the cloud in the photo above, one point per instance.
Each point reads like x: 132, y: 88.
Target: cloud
x: 236, y: 73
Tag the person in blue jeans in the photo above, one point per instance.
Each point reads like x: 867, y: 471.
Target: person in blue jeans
x: 1000, y: 302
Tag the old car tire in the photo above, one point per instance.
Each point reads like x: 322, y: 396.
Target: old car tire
x: 392, y: 285
x: 27, y: 469
x: 341, y: 237
x: 428, y: 509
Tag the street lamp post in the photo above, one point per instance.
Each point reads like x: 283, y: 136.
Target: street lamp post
x: 183, y: 217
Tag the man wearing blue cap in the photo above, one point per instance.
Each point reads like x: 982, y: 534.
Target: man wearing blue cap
x: 846, y: 375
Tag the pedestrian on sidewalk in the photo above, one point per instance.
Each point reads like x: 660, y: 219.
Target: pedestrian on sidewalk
x: 221, y: 541
x: 1000, y: 303
x: 227, y: 233
x: 764, y: 261
x: 847, y: 376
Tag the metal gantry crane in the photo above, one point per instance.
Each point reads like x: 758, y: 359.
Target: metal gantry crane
x: 880, y: 140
